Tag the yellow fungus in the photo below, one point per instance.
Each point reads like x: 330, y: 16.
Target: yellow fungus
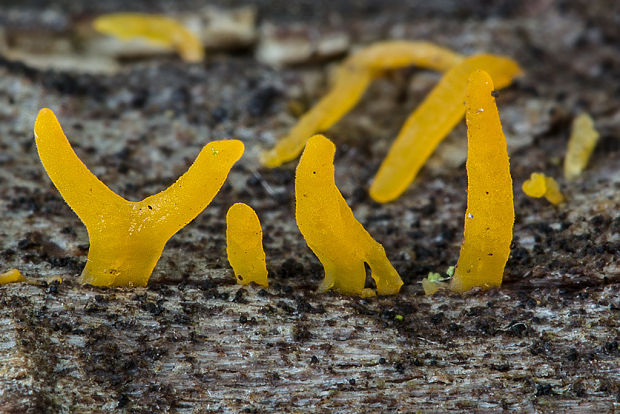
x: 490, y: 208
x: 157, y: 30
x: 394, y: 54
x: 244, y: 245
x: 12, y: 276
x: 432, y: 121
x: 539, y: 185
x: 583, y: 139
x: 352, y: 79
x: 327, y: 223
x: 127, y: 238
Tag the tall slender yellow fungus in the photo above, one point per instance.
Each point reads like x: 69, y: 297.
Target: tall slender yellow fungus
x: 244, y: 245
x: 431, y: 122
x: 157, y: 30
x: 351, y: 81
x: 12, y: 276
x: 539, y: 185
x: 327, y: 223
x: 490, y: 208
x: 127, y: 238
x: 583, y: 139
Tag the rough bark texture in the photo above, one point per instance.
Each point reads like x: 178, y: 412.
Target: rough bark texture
x: 193, y: 341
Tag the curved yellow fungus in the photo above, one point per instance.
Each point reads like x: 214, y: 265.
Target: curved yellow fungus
x: 12, y: 276
x: 352, y: 79
x: 490, y: 208
x: 394, y: 54
x: 244, y: 245
x: 127, y: 238
x: 157, y: 30
x: 432, y: 121
x: 327, y: 223
x: 539, y: 185
x: 583, y: 139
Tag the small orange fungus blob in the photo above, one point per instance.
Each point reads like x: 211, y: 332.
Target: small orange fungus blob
x: 12, y: 276
x: 539, y: 185
x: 127, y: 238
x: 155, y: 29
x: 244, y: 245
x: 583, y: 139
x: 431, y: 122
x: 327, y: 223
x: 352, y: 79
x: 490, y: 211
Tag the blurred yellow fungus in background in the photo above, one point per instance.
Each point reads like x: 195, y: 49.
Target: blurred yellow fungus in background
x: 155, y: 29
x: 490, y: 211
x: 431, y: 122
x: 127, y: 238
x: 352, y: 79
x: 539, y: 185
x: 583, y: 139
x: 12, y: 276
x: 327, y: 223
x: 244, y: 245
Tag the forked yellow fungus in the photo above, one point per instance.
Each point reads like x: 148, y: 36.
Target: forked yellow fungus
x: 539, y: 185
x: 327, y: 223
x: 127, y: 238
x: 12, y: 276
x: 155, y: 29
x: 431, y: 122
x: 583, y: 139
x: 244, y: 245
x: 352, y: 79
x: 490, y: 211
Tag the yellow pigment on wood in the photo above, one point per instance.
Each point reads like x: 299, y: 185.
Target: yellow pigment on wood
x: 327, y: 223
x: 158, y: 30
x: 353, y: 77
x: 244, y: 245
x: 431, y: 122
x: 127, y: 238
x: 583, y: 139
x: 490, y: 208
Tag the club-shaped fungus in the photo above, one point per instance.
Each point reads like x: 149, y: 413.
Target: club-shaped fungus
x: 331, y: 231
x: 158, y: 30
x: 127, y: 238
x: 12, y: 276
x: 431, y: 122
x: 352, y: 79
x: 490, y: 211
x: 583, y: 139
x: 244, y: 245
x: 539, y: 185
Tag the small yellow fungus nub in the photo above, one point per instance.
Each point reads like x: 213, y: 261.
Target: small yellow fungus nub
x: 127, y: 238
x: 244, y: 245
x: 539, y: 185
x: 157, y: 30
x: 583, y: 139
x: 327, y: 223
x: 352, y: 79
x: 12, y: 276
x: 431, y: 122
x: 490, y: 211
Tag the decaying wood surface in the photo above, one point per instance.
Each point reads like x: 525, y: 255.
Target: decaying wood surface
x: 193, y: 341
